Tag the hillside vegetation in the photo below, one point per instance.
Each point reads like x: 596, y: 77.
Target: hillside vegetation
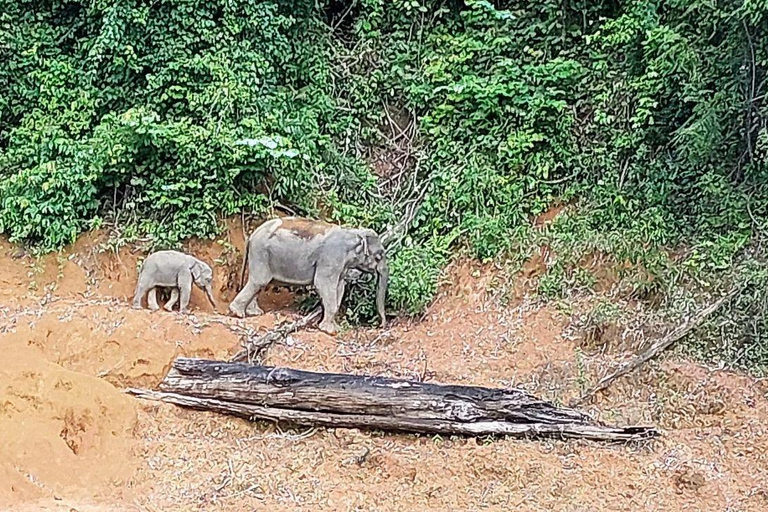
x: 649, y: 119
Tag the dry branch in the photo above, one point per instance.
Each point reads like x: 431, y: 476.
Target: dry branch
x: 400, y: 230
x: 253, y: 348
x: 656, y: 347
x: 343, y: 400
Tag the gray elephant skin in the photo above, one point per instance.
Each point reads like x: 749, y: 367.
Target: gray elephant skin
x: 176, y: 270
x: 301, y: 251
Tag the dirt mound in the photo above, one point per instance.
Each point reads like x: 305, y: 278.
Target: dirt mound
x: 70, y: 341
x: 61, y: 432
x: 107, y: 339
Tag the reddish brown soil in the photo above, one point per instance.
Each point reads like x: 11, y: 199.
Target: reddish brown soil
x: 70, y: 439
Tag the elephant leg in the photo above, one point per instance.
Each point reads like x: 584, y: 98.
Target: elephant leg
x: 142, y: 287
x: 253, y: 308
x: 340, y: 292
x: 172, y: 301
x: 327, y: 288
x: 245, y: 303
x: 152, y: 299
x: 185, y: 291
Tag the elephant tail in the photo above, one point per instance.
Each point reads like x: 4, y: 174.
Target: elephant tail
x: 245, y: 262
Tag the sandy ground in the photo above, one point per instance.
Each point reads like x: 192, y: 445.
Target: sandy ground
x: 70, y: 439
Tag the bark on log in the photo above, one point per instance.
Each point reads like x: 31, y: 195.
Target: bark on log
x: 356, y: 394
x: 423, y: 426
x: 341, y: 400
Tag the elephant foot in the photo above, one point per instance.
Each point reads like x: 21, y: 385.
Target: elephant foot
x: 136, y: 306
x: 168, y: 308
x: 254, y: 311
x: 184, y: 311
x: 154, y: 307
x: 237, y: 313
x: 329, y: 328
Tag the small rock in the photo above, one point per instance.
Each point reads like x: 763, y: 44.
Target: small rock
x: 689, y: 479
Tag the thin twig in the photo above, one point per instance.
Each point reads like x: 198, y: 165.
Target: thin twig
x: 748, y: 128
x: 401, y: 228
x: 624, y: 169
x: 394, y: 126
x: 346, y: 13
x: 557, y: 180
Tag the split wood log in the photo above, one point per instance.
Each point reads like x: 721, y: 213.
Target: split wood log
x: 388, y: 423
x: 656, y: 347
x: 343, y: 400
x: 356, y: 394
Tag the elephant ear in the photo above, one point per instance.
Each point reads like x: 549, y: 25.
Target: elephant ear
x: 373, y: 244
x: 372, y: 238
x: 196, y: 270
x: 362, y: 244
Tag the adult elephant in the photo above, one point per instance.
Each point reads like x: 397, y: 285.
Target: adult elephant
x: 301, y: 251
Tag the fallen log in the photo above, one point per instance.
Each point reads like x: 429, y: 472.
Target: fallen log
x: 355, y: 394
x: 342, y: 400
x: 422, y: 426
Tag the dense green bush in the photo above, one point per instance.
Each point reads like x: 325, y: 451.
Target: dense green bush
x: 168, y: 115
x: 179, y: 111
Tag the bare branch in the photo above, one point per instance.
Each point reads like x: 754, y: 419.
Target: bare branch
x: 656, y: 348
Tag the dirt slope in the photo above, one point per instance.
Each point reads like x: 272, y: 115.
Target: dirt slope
x: 71, y: 440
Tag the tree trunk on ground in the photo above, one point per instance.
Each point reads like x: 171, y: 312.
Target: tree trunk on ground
x: 424, y: 426
x: 341, y: 400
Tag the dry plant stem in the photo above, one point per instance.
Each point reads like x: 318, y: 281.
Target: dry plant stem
x: 390, y: 423
x: 255, y: 347
x: 656, y: 348
x: 400, y: 230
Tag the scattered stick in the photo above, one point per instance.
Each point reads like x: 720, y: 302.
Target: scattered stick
x: 655, y: 348
x: 254, y: 348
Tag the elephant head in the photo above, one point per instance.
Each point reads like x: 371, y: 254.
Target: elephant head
x: 202, y: 275
x: 371, y: 257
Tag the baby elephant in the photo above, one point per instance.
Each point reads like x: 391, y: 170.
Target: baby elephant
x: 176, y: 270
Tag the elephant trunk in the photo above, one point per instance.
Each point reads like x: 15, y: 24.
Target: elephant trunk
x: 209, y: 294
x: 381, y: 290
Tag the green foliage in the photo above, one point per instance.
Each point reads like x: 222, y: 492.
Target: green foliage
x: 737, y: 336
x: 165, y: 116
x: 171, y: 114
x: 414, y: 277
